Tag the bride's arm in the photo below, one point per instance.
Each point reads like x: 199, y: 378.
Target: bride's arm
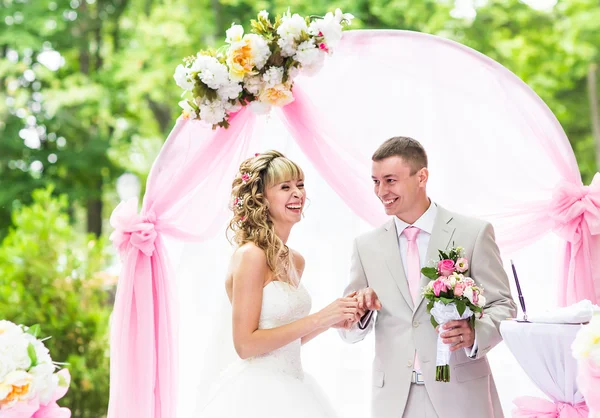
x: 249, y: 273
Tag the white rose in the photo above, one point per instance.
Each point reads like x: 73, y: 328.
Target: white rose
x: 468, y: 293
x: 44, y: 381
x: 181, y: 78
x: 481, y: 301
x: 260, y: 50
x: 18, y: 378
x: 234, y: 34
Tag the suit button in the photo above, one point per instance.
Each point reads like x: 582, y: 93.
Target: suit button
x: 409, y: 363
x: 415, y: 324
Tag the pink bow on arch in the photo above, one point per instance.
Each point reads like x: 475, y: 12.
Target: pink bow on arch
x: 530, y: 407
x: 576, y: 205
x: 131, y: 228
x: 575, y: 211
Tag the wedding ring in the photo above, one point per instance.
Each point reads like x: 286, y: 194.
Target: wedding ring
x: 461, y: 338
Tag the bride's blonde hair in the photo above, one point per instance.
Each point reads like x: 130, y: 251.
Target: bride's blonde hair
x: 251, y: 221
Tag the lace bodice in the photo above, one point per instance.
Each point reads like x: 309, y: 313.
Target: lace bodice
x: 283, y: 303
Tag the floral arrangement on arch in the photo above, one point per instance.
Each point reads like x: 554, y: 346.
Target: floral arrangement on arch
x: 257, y: 68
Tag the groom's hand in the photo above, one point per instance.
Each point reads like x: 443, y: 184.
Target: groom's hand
x: 368, y: 300
x: 458, y: 333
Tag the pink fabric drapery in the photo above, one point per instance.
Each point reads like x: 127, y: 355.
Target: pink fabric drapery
x: 530, y: 407
x: 331, y: 118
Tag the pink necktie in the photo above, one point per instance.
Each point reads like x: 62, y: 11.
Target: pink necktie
x: 413, y: 270
x: 413, y: 265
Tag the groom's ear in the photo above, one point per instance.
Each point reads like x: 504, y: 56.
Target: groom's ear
x: 423, y: 175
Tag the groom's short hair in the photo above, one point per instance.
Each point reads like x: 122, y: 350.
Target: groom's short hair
x: 409, y: 149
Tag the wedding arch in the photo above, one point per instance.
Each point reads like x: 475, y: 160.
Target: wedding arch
x: 496, y: 151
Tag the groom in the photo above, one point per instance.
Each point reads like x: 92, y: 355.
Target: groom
x: 385, y: 274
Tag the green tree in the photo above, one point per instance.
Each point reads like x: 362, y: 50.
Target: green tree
x: 50, y: 276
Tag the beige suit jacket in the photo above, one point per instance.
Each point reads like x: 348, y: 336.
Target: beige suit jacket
x: 400, y: 328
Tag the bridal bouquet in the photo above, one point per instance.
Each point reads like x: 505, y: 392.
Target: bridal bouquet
x: 452, y: 295
x: 586, y: 349
x: 257, y: 68
x: 29, y: 386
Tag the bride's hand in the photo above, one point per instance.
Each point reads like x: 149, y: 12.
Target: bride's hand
x: 338, y: 312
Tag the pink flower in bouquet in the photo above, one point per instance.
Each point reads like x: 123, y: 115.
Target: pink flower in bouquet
x: 459, y: 288
x: 446, y: 267
x: 469, y: 282
x: 439, y: 286
x: 475, y: 296
x: 462, y: 265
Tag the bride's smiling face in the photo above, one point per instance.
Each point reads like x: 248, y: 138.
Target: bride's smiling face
x: 286, y: 201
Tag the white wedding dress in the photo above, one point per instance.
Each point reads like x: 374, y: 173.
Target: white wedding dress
x: 272, y: 385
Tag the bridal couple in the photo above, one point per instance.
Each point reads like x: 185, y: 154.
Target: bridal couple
x: 271, y: 308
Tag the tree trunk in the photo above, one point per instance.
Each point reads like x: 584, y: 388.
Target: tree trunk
x: 594, y: 113
x: 94, y: 211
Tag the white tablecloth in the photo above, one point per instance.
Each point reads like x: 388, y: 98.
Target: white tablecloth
x: 544, y: 352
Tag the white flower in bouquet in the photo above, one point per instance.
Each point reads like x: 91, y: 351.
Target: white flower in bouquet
x: 212, y: 112
x: 229, y: 91
x: 15, y: 388
x: 246, y: 55
x: 263, y: 14
x: 273, y: 76
x: 181, y: 77
x: 307, y: 53
x: 234, y: 34
x: 468, y: 293
x: 587, y: 341
x: 253, y: 84
x: 279, y: 95
x: 188, y: 111
x: 289, y: 31
x: 45, y: 381
x: 210, y: 71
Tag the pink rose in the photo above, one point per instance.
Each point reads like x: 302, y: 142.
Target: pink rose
x: 462, y: 265
x: 459, y: 288
x: 439, y: 286
x: 445, y: 267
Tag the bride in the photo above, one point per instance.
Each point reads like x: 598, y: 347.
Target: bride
x: 270, y: 307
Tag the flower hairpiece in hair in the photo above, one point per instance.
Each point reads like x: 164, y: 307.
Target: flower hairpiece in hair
x: 245, y: 178
x: 238, y: 203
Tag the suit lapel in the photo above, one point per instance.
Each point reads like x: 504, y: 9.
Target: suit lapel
x: 391, y: 253
x: 441, y: 237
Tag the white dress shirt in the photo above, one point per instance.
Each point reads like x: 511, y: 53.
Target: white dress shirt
x: 425, y: 224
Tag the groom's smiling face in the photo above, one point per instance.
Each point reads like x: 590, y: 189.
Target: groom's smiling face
x: 399, y: 185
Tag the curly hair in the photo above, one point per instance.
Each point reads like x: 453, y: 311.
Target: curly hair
x: 251, y: 222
